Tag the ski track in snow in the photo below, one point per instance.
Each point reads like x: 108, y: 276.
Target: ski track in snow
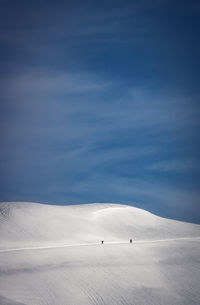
x: 99, y: 243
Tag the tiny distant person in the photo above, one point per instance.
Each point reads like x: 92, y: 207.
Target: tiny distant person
x: 131, y: 241
x: 102, y: 242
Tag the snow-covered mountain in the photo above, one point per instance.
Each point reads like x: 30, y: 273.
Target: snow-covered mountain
x: 53, y: 255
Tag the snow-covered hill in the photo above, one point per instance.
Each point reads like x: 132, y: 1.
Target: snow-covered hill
x: 53, y: 255
x: 28, y: 224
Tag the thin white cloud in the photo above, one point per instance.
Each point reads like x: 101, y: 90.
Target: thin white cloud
x: 36, y: 83
x: 174, y: 166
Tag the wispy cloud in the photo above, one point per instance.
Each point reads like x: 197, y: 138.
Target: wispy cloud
x: 175, y: 166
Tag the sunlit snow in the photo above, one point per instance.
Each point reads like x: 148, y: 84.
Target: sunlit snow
x: 53, y: 255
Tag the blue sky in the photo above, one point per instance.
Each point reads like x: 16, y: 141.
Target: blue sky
x: 100, y: 103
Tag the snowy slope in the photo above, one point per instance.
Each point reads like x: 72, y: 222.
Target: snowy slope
x: 52, y: 255
x: 28, y: 224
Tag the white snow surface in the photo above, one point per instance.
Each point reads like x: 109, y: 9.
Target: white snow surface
x: 53, y: 255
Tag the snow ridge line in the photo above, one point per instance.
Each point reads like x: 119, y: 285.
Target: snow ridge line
x: 99, y: 243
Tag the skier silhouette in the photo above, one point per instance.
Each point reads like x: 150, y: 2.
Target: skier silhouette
x: 131, y: 241
x: 102, y: 242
